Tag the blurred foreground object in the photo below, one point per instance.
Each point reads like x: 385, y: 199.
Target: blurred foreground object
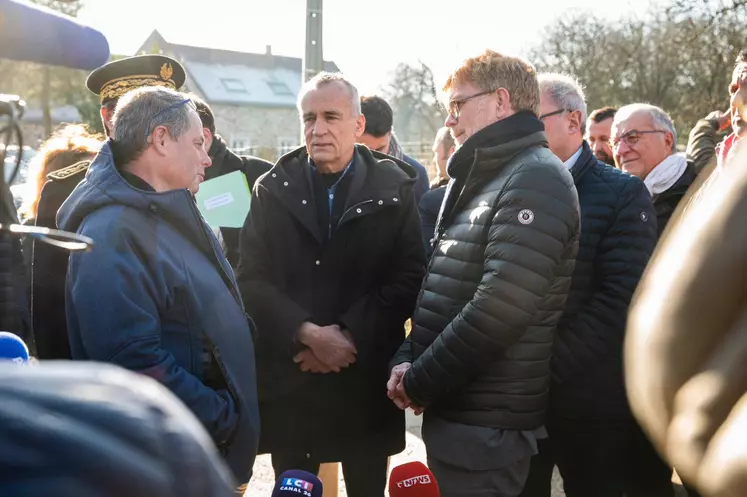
x: 95, y: 430
x: 37, y: 34
x: 686, y: 350
x: 13, y: 348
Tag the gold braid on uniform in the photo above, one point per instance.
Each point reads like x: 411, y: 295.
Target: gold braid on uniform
x: 117, y: 88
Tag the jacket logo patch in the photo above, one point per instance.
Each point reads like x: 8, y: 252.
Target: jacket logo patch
x: 526, y: 216
x: 644, y: 217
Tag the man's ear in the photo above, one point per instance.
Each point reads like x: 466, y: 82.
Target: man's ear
x: 576, y: 122
x: 159, y: 139
x: 504, y: 106
x: 360, y: 125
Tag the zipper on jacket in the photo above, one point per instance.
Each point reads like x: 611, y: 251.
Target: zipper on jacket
x: 231, y: 391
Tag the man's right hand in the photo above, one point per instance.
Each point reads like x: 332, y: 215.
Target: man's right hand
x: 329, y: 344
x: 723, y: 119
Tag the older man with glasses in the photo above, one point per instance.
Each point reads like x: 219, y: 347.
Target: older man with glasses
x: 644, y: 144
x: 589, y: 423
x: 156, y: 295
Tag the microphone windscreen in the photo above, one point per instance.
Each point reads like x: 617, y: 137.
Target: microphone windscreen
x: 413, y: 479
x: 297, y: 483
x: 37, y: 34
x: 12, y: 348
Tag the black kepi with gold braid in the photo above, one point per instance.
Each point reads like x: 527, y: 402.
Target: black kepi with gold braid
x: 116, y: 78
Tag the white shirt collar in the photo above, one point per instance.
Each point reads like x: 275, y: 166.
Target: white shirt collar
x: 572, y: 160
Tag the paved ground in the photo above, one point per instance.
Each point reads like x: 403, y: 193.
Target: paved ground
x: 264, y: 478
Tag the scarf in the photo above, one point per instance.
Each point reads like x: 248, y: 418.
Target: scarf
x: 395, y: 149
x: 666, y: 174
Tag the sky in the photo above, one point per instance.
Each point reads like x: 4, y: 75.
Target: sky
x: 366, y: 39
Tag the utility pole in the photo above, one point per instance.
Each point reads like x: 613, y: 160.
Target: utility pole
x: 313, y: 61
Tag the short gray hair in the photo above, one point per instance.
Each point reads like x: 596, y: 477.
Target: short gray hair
x: 142, y: 110
x: 325, y: 78
x: 659, y: 117
x: 565, y: 90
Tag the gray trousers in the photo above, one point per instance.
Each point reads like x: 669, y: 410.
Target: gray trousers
x: 454, y: 481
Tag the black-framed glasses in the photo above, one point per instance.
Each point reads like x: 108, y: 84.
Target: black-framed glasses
x: 553, y: 113
x: 455, y: 106
x: 632, y: 137
x: 176, y: 105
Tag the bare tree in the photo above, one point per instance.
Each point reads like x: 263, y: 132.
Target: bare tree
x: 678, y: 57
x: 413, y: 97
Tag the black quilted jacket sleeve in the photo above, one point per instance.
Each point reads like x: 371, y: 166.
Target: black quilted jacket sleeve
x: 596, y: 332
x: 521, y: 260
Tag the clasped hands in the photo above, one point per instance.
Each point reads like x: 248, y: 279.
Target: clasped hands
x: 330, y: 349
x: 396, y: 389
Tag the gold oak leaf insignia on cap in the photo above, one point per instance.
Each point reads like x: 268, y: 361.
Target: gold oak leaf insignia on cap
x: 166, y: 71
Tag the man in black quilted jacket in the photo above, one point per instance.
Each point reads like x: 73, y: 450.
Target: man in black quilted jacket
x: 478, y: 358
x: 591, y: 431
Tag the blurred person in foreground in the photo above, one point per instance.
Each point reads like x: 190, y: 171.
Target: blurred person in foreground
x: 224, y: 161
x: 156, y: 295
x: 430, y: 202
x: 379, y: 135
x: 686, y: 346
x: 331, y: 264
x: 589, y: 423
x: 478, y: 357
x: 598, y: 128
x: 94, y: 430
x: 644, y: 144
x: 109, y: 82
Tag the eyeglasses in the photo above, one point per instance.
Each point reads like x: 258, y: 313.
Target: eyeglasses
x: 553, y: 113
x: 176, y: 105
x: 632, y: 137
x: 455, y: 106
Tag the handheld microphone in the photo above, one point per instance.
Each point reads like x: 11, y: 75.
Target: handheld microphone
x: 37, y: 34
x: 298, y: 484
x: 12, y: 348
x: 413, y: 479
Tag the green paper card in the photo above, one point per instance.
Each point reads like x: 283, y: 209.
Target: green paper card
x: 224, y: 201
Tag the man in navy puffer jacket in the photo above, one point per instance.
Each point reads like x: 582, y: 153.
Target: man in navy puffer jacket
x: 589, y: 423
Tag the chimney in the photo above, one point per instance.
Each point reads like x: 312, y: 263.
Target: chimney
x: 268, y: 49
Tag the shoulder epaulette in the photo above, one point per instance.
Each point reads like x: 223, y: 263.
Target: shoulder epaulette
x: 68, y: 171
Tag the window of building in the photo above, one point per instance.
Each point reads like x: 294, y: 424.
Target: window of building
x: 233, y: 85
x: 279, y: 88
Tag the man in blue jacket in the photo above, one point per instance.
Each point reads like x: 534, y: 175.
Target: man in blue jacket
x: 156, y: 295
x: 589, y: 424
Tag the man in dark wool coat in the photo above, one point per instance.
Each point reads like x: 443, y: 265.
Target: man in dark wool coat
x: 330, y: 269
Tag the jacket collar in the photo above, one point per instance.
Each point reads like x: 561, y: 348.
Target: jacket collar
x: 585, y: 161
x: 378, y: 181
x: 486, y: 152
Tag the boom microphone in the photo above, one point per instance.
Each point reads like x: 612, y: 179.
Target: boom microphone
x: 37, y: 34
x: 413, y: 479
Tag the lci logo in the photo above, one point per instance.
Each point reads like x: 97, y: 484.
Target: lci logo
x: 295, y: 483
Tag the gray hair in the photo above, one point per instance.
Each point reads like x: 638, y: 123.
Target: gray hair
x: 659, y: 118
x: 565, y: 90
x: 325, y: 78
x: 142, y: 110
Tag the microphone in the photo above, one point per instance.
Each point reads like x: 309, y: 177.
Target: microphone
x: 12, y: 348
x: 37, y: 34
x: 297, y: 483
x: 413, y: 479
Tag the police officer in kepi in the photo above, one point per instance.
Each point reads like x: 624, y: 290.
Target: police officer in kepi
x: 49, y: 266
